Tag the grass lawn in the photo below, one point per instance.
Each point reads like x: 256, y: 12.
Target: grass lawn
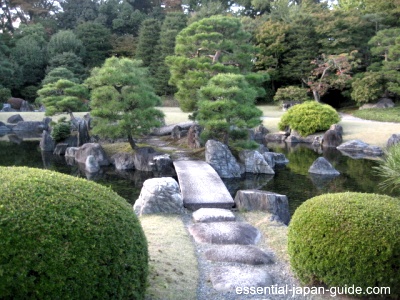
x: 173, y: 272
x: 379, y: 114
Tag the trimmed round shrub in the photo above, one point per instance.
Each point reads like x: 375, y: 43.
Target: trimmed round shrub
x: 347, y: 239
x: 63, y: 237
x: 309, y: 117
x: 60, y: 131
x: 5, y: 94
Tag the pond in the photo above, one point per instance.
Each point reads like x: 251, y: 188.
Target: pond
x: 292, y: 180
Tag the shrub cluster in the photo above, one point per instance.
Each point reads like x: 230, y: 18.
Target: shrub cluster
x: 345, y: 239
x: 5, y: 94
x: 309, y: 117
x: 60, y: 131
x: 291, y: 93
x: 67, y: 238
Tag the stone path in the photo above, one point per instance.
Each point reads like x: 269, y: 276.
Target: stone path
x: 229, y: 260
x: 201, y: 186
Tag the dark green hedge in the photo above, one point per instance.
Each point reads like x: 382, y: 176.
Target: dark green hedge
x: 67, y: 238
x: 347, y: 239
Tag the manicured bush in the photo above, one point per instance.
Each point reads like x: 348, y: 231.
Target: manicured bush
x: 61, y: 131
x: 67, y: 238
x: 5, y: 94
x: 347, y: 239
x: 309, y: 117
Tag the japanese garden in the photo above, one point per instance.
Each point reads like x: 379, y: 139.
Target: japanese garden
x: 196, y: 149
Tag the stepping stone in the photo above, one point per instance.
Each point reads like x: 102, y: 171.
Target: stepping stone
x: 243, y: 254
x: 230, y: 278
x: 224, y: 233
x: 213, y: 215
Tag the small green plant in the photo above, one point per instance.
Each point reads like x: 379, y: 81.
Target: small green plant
x: 5, y: 94
x: 61, y: 131
x: 309, y: 117
x: 389, y: 169
x: 347, y: 239
x: 63, y: 237
x: 291, y: 93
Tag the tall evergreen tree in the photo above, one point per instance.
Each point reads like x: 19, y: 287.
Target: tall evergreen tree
x: 148, y: 38
x: 205, y: 48
x: 173, y: 23
x: 65, y: 41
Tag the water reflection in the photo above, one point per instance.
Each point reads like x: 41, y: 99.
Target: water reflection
x: 292, y: 180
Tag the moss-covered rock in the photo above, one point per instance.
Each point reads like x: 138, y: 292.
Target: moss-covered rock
x: 347, y: 239
x: 66, y: 238
x: 309, y: 117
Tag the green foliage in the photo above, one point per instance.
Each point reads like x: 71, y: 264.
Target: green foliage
x: 96, y: 39
x: 29, y: 92
x: 148, y: 38
x: 291, y: 93
x: 67, y: 238
x: 389, y: 168
x: 173, y: 23
x: 60, y: 131
x: 59, y: 73
x: 347, y: 238
x: 122, y: 101
x: 65, y: 41
x: 5, y: 94
x: 63, y: 96
x: 205, y: 48
x: 75, y: 12
x: 226, y: 105
x: 309, y: 117
x: 368, y: 88
x: 69, y: 61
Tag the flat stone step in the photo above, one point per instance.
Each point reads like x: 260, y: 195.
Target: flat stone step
x: 230, y: 278
x: 201, y: 186
x: 224, y: 233
x: 206, y: 215
x: 244, y: 254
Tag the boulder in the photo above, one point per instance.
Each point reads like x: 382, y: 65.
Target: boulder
x: 243, y: 254
x: 25, y: 106
x: 91, y: 164
x: 353, y: 146
x: 178, y: 132
x: 13, y: 138
x: 60, y: 149
x: 236, y: 278
x: 323, y: 167
x: 143, y: 158
x: 254, y: 162
x: 275, y: 137
x: 162, y: 164
x: 332, y: 139
x: 273, y: 203
x: 123, y: 161
x: 394, y: 139
x: 274, y: 158
x: 4, y: 129
x: 83, y: 132
x: 167, y: 130
x: 213, y: 215
x: 337, y: 128
x: 7, y: 107
x: 71, y: 151
x: 258, y: 133
x: 384, y: 103
x: 15, y: 102
x: 225, y: 233
x: 193, y: 135
x: 221, y: 159
x: 46, y: 142
x: 46, y: 122
x: 92, y: 149
x: 29, y: 126
x: 159, y: 195
x: 359, y: 149
x: 14, y: 119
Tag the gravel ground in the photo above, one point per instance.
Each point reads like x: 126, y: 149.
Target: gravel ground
x: 279, y: 270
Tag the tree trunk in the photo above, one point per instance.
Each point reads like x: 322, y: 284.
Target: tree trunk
x: 132, y: 142
x: 316, y: 96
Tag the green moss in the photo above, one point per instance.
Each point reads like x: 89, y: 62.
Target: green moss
x: 67, y: 238
x: 345, y: 239
x: 309, y: 117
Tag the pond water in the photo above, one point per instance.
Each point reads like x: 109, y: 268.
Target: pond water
x: 292, y: 180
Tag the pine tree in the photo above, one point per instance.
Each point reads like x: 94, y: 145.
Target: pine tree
x: 148, y: 38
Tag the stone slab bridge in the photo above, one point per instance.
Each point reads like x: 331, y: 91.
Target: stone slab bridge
x: 201, y: 186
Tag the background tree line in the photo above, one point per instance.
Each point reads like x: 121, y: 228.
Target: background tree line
x: 335, y: 53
